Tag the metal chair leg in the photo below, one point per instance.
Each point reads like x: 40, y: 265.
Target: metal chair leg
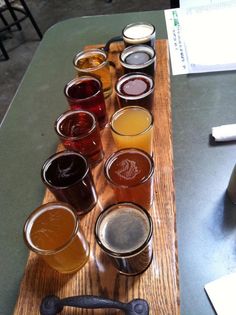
x: 12, y: 12
x: 24, y: 10
x: 28, y: 13
x: 3, y: 19
x: 4, y: 52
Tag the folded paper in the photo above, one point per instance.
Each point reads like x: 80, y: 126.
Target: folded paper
x: 224, y: 132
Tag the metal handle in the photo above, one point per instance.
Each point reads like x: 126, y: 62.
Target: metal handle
x: 112, y: 40
x: 52, y: 305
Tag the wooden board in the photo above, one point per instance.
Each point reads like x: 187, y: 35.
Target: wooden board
x: 159, y: 284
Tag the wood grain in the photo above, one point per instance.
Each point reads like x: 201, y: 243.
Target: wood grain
x: 159, y: 284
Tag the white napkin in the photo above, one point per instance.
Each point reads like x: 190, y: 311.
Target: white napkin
x: 222, y: 294
x: 224, y: 132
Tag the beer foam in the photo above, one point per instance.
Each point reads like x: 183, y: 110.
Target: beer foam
x: 128, y: 169
x: 124, y: 230
x: 63, y: 169
x: 48, y: 227
x: 136, y: 33
x: 135, y: 87
x: 132, y: 78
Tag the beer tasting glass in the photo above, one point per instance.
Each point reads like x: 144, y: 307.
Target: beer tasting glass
x: 53, y: 232
x: 132, y: 127
x: 67, y: 175
x: 124, y: 233
x: 139, y: 33
x: 135, y: 88
x: 130, y: 174
x: 140, y: 58
x: 86, y: 93
x: 78, y: 131
x: 94, y: 62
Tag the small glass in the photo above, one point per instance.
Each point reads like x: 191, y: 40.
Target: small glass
x: 52, y: 231
x: 94, y: 62
x: 130, y: 174
x: 78, y: 131
x: 139, y: 33
x: 140, y: 58
x: 132, y: 127
x: 67, y: 175
x: 86, y: 93
x: 135, y: 88
x: 124, y: 233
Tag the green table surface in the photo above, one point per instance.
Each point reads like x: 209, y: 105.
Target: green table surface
x: 206, y: 220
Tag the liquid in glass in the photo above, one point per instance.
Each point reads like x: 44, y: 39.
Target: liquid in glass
x: 53, y: 232
x: 132, y: 127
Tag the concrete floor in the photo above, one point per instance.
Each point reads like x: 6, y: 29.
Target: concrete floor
x: 21, y: 45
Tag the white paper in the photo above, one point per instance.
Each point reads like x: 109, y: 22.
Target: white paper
x: 179, y: 62
x: 197, y: 3
x: 202, y: 39
x: 222, y: 294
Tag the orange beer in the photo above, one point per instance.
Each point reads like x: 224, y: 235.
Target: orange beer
x: 53, y: 232
x: 130, y: 174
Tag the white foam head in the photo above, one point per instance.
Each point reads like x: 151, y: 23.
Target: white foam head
x: 138, y: 33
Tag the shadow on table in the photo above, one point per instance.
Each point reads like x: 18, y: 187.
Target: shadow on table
x: 213, y: 143
x: 229, y: 216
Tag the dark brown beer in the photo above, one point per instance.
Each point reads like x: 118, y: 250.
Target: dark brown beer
x: 68, y: 176
x: 139, y: 58
x: 124, y: 232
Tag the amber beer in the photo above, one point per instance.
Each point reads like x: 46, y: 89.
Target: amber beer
x: 94, y: 62
x: 78, y: 131
x: 52, y: 231
x: 130, y: 174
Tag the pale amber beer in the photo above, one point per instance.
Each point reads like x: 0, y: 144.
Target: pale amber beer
x: 94, y: 62
x: 52, y: 231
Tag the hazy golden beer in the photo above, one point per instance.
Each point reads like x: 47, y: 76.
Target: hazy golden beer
x: 53, y: 232
x: 132, y: 127
x: 94, y: 62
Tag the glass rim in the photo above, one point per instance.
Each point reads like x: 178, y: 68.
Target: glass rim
x: 37, y: 213
x: 132, y: 49
x: 114, y: 207
x: 138, y: 23
x: 53, y: 157
x: 87, y: 52
x: 134, y: 74
x: 126, y: 108
x: 113, y: 156
x: 79, y: 80
x: 68, y: 113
